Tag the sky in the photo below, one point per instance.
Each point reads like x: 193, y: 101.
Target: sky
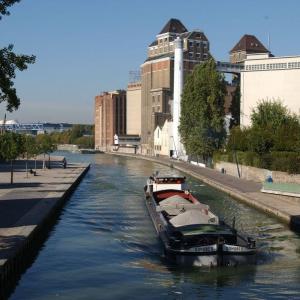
x: 86, y: 47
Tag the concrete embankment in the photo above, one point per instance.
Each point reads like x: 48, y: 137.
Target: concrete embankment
x: 28, y: 208
x: 285, y: 208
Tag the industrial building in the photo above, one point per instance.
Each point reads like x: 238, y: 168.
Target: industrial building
x: 269, y: 78
x: 110, y: 118
x: 157, y: 75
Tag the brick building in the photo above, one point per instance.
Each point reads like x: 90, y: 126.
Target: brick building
x: 110, y: 118
x: 158, y: 72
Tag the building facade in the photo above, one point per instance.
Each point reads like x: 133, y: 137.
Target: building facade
x: 157, y: 75
x: 133, y: 108
x: 270, y: 78
x: 162, y: 139
x: 110, y: 118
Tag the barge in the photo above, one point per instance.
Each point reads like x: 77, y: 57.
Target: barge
x: 192, y: 235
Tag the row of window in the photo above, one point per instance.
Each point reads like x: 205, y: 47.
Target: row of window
x: 157, y: 147
x: 197, y: 44
x: 156, y: 108
x: 274, y: 66
x: 198, y: 55
x: 162, y: 49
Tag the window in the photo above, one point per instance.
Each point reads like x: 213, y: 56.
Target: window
x: 191, y: 44
x: 191, y: 54
x: 198, y: 55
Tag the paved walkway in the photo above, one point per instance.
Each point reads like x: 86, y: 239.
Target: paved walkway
x: 284, y: 207
x: 25, y: 205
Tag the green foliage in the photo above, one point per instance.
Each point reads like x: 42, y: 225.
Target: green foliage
x: 45, y: 143
x: 11, y: 145
x: 85, y: 142
x: 271, y: 114
x: 31, y: 147
x: 81, y: 135
x: 235, y: 106
x: 273, y: 140
x: 202, y: 111
x: 238, y: 139
x: 276, y: 161
x: 9, y: 63
x: 4, y: 5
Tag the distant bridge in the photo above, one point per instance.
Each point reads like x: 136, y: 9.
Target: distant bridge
x: 35, y: 127
x: 227, y: 67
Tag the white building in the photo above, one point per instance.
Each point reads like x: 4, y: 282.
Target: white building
x: 269, y: 78
x: 163, y: 142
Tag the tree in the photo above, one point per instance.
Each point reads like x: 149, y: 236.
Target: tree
x: 46, y: 146
x: 11, y: 146
x: 271, y: 114
x: 9, y: 63
x: 202, y: 111
x: 4, y: 4
x: 30, y: 149
x: 274, y: 128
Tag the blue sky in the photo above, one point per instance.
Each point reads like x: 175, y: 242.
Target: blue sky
x: 86, y: 47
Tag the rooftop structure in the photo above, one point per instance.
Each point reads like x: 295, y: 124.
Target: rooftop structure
x: 248, y: 44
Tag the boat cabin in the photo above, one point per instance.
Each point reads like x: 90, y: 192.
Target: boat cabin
x: 160, y: 183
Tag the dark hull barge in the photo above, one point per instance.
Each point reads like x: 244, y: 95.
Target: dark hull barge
x: 191, y: 234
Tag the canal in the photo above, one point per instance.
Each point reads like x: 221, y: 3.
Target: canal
x: 104, y: 245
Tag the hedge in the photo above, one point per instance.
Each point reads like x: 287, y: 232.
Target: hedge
x: 275, y: 161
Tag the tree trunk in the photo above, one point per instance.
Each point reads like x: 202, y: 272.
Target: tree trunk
x: 26, y: 165
x: 11, y: 171
x: 35, y: 164
x: 44, y: 161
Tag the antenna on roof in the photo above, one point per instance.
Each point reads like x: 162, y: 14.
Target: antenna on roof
x: 269, y: 42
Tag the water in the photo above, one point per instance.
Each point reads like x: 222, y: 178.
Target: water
x: 104, y: 246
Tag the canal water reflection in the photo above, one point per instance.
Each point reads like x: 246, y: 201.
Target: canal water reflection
x: 104, y: 245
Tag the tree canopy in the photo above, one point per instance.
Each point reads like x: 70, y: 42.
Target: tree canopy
x: 4, y: 5
x: 9, y: 63
x: 273, y: 139
x: 202, y: 110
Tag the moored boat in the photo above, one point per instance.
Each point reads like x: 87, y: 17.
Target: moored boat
x: 190, y: 232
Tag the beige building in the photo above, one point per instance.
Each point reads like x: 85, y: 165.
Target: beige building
x: 270, y: 78
x: 133, y: 122
x: 158, y: 72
